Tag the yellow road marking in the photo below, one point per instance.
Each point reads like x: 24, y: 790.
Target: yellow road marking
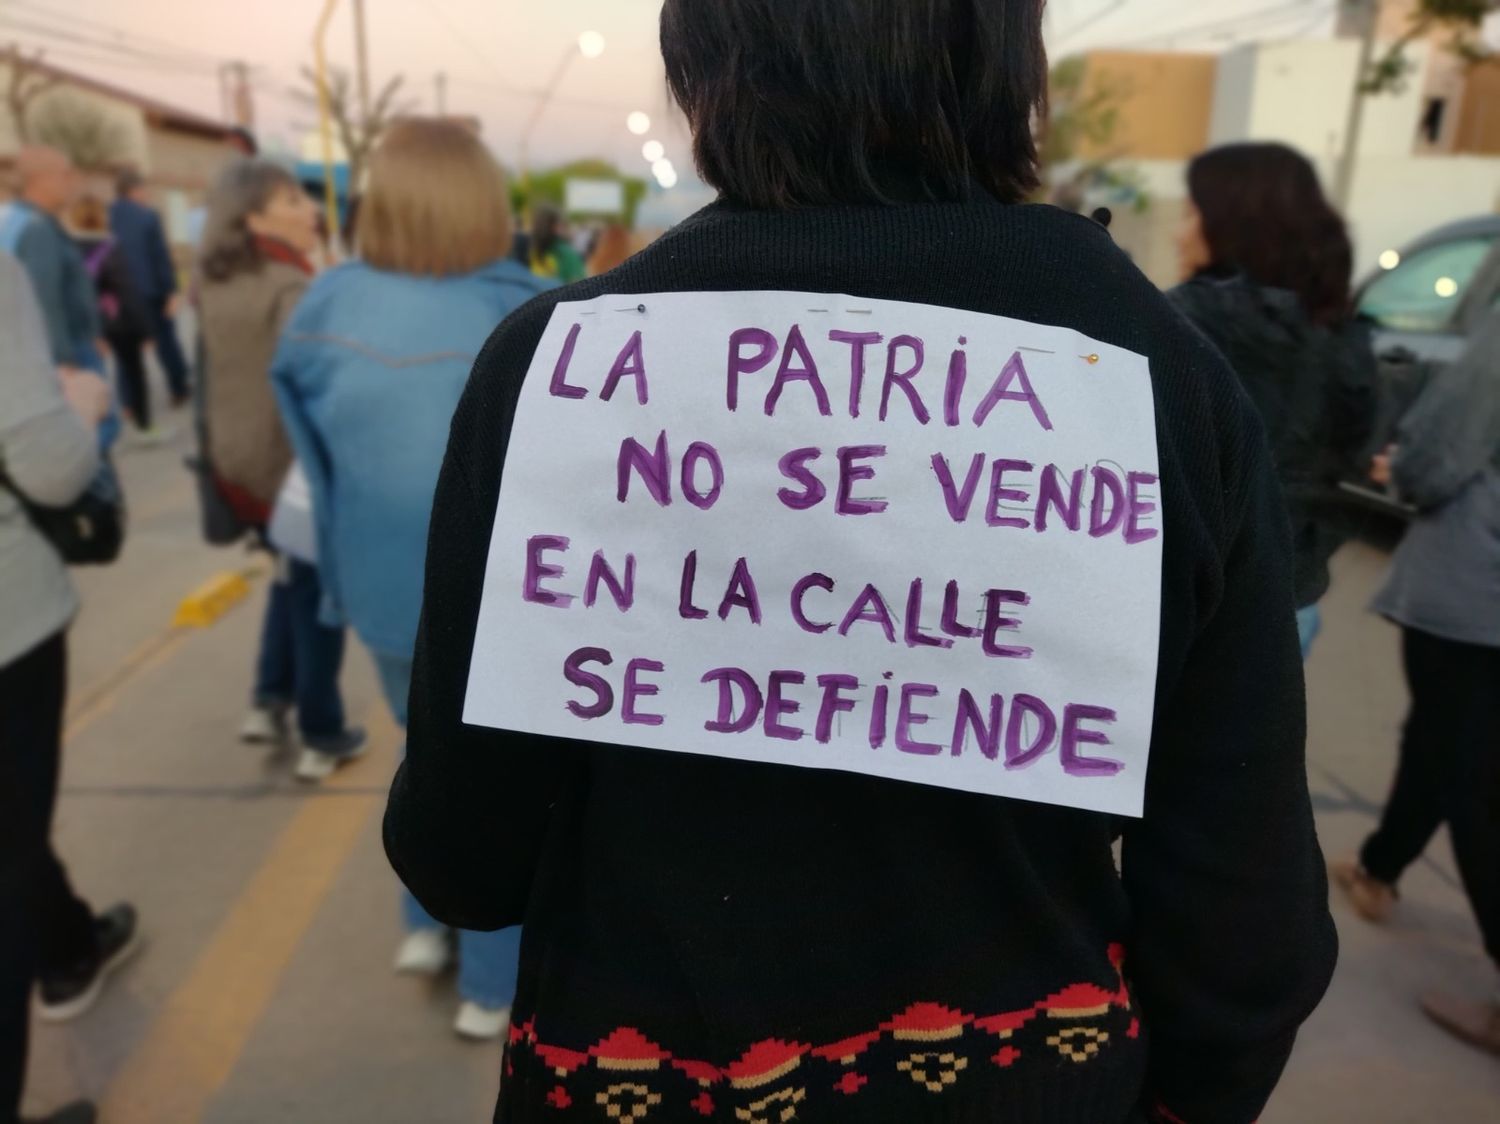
x: 211, y: 600
x: 89, y: 705
x: 196, y: 1040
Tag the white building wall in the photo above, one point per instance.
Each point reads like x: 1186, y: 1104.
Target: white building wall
x: 1298, y: 92
x: 1233, y: 87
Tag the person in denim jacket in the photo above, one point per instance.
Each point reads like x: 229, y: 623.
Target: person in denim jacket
x: 368, y: 374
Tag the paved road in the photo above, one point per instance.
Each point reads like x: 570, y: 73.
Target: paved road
x: 265, y: 993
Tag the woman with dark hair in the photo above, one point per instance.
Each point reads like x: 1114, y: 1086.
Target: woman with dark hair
x: 1266, y: 262
x: 261, y: 227
x: 712, y: 933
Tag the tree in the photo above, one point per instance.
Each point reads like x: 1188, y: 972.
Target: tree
x: 356, y: 134
x: 1462, y: 18
x: 28, y: 80
x: 551, y: 186
x: 83, y: 131
x: 1079, y: 151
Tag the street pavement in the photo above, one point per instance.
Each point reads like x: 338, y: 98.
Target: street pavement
x: 265, y: 992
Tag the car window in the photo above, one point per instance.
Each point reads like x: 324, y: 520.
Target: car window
x: 1423, y: 292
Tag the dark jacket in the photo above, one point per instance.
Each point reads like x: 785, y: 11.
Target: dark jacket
x: 122, y: 311
x: 1315, y: 390
x: 63, y: 287
x: 710, y: 939
x: 138, y: 230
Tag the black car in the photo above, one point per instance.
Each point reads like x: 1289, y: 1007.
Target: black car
x: 1424, y: 303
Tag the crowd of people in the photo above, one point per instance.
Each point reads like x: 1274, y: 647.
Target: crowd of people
x: 690, y: 907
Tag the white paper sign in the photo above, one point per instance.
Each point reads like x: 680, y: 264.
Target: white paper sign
x: 826, y: 531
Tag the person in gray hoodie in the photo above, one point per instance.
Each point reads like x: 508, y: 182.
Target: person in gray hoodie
x: 49, y: 453
x: 1444, y: 592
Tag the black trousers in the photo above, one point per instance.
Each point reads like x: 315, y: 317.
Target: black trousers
x: 44, y: 927
x: 135, y: 391
x: 1449, y: 771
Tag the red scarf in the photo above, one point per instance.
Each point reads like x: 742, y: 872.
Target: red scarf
x: 273, y: 249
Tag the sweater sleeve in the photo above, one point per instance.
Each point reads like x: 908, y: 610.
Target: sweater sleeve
x: 294, y: 379
x: 35, y: 249
x: 1233, y: 944
x: 47, y: 452
x: 470, y: 807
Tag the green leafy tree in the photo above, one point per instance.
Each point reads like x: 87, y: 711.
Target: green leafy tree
x: 27, y: 80
x: 1079, y: 146
x: 1461, y: 19
x: 551, y: 187
x: 83, y: 131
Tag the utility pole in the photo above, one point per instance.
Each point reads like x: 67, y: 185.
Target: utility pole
x: 362, y: 62
x: 1367, y: 13
x: 440, y: 81
x: 237, y: 99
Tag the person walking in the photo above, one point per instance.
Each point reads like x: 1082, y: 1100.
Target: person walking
x: 261, y: 227
x: 549, y: 251
x: 368, y: 374
x: 125, y: 318
x: 32, y: 230
x: 49, y: 452
x: 143, y: 243
x: 1266, y: 263
x: 716, y: 938
x: 1444, y: 592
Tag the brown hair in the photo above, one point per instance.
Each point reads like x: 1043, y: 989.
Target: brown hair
x: 436, y: 203
x: 1265, y: 216
x: 244, y: 188
x: 611, y: 250
x: 859, y: 101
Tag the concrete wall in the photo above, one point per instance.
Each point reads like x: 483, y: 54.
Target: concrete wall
x: 1234, y: 96
x: 182, y: 160
x: 1298, y: 92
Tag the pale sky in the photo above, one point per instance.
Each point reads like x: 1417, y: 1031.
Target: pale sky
x: 497, y: 53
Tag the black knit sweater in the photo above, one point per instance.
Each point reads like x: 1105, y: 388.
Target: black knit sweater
x: 716, y: 940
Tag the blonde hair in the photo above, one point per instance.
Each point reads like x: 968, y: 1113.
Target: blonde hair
x: 436, y: 202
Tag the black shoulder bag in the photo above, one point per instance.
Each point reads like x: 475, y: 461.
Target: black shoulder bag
x: 90, y: 531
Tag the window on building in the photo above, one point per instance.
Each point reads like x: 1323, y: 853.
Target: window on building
x: 1424, y: 292
x: 1432, y: 120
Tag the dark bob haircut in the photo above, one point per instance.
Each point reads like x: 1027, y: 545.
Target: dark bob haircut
x: 800, y: 102
x: 1265, y: 216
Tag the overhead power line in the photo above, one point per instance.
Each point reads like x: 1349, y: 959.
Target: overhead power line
x: 53, y: 35
x: 120, y: 36
x: 1259, y: 19
x: 1089, y: 21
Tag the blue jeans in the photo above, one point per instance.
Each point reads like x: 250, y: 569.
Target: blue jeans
x: 487, y: 962
x: 87, y: 357
x: 1309, y: 624
x: 169, y: 349
x: 300, y: 658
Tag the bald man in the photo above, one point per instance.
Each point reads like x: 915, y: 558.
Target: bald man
x: 31, y: 231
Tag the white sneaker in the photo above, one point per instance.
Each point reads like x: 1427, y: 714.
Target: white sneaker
x: 315, y: 765
x: 481, y: 1024
x: 263, y: 726
x: 427, y: 952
